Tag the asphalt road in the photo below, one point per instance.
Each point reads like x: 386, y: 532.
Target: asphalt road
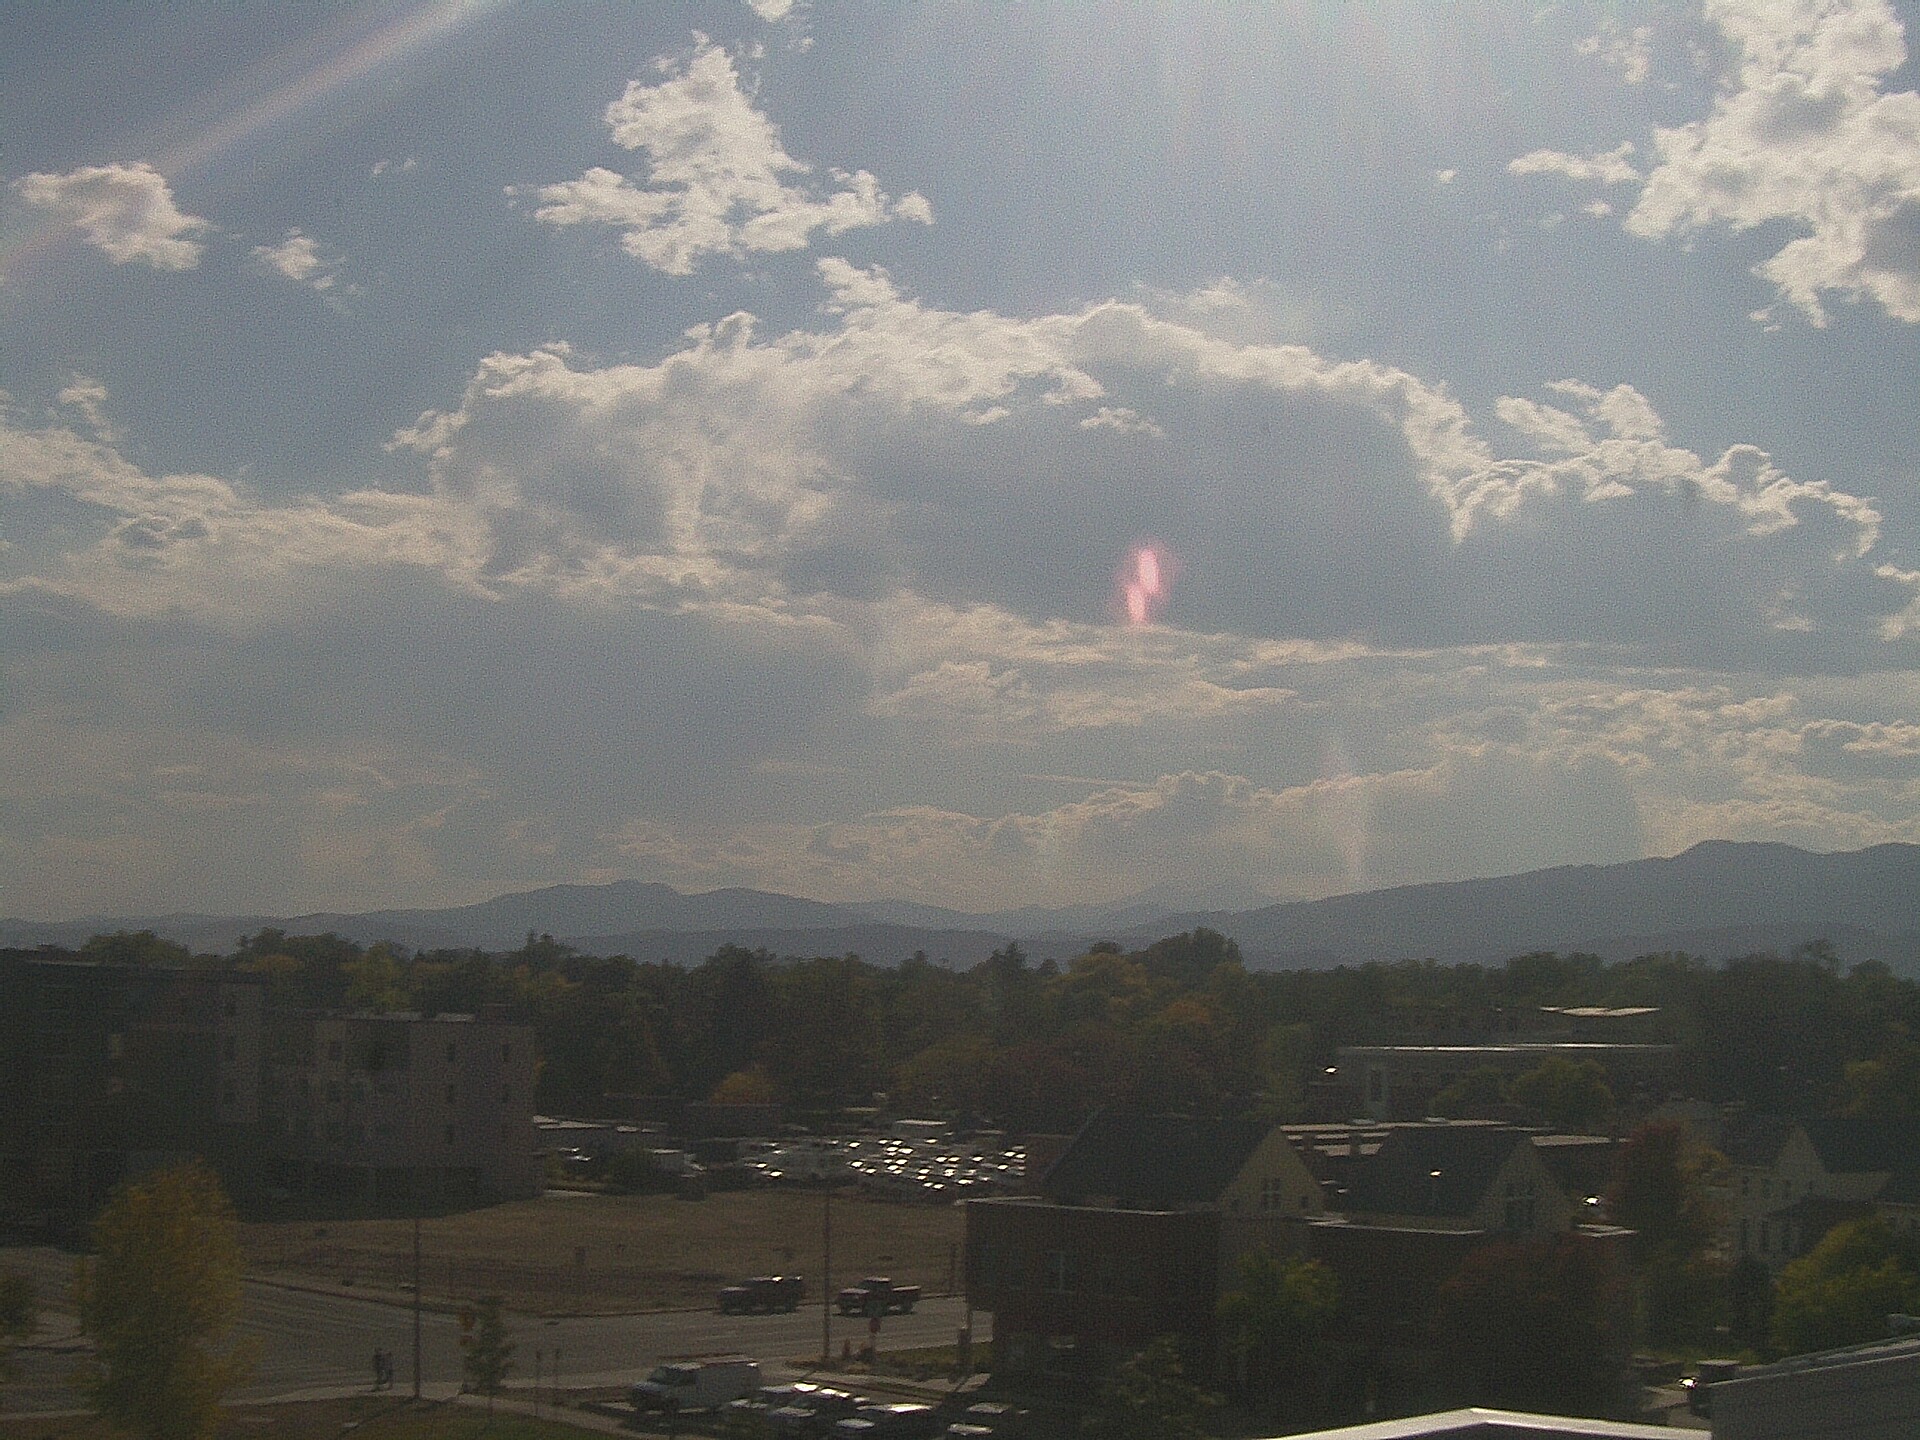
x: 305, y: 1342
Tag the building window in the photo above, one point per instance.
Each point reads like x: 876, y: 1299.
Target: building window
x: 1518, y: 1204
x: 1062, y: 1276
x: 1766, y: 1237
x: 506, y: 1094
x: 227, y: 1093
x: 449, y: 1134
x: 1746, y: 1236
x: 228, y: 1048
x: 1273, y: 1193
x: 233, y: 1007
x: 449, y: 1094
x: 333, y: 1092
x: 1376, y: 1085
x: 453, y: 1052
x: 333, y: 1051
x: 506, y: 1054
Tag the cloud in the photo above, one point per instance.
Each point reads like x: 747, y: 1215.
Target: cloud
x: 124, y: 211
x: 771, y: 11
x: 880, y: 545
x: 1801, y: 133
x: 1629, y: 52
x: 1613, y: 168
x: 718, y: 181
x: 299, y: 259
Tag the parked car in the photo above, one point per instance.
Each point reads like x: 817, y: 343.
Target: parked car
x: 889, y: 1422
x: 696, y: 1384
x: 815, y: 1414
x: 1699, y: 1386
x: 763, y: 1294
x: 877, y: 1295
x: 759, y: 1401
x: 988, y: 1417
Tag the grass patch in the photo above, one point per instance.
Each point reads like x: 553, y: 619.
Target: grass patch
x: 610, y: 1254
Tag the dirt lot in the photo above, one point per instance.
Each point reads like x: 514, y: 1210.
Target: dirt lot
x: 608, y: 1254
x: 367, y: 1419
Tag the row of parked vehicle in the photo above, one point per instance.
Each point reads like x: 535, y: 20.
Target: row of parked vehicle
x: 731, y: 1385
x: 902, y: 1168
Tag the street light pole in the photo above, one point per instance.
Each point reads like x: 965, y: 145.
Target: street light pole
x: 416, y: 1297
x: 826, y: 1277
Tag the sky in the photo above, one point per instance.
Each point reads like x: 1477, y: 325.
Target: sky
x: 973, y: 454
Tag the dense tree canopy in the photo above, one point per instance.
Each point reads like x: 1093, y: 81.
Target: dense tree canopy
x: 1179, y: 1024
x: 1842, y: 1291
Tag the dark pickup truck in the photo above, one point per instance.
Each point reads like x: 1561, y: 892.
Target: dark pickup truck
x: 763, y: 1294
x: 877, y: 1295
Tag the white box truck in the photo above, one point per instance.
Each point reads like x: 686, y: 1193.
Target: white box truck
x: 686, y: 1385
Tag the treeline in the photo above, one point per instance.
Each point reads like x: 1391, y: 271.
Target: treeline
x: 1179, y: 1025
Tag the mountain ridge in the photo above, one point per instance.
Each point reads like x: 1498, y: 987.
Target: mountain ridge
x: 1730, y: 897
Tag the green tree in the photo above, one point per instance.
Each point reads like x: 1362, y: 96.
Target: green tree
x: 1841, y: 1291
x: 1663, y: 1187
x: 159, y: 1298
x: 489, y: 1352
x: 1150, y: 1398
x: 1477, y: 1095
x: 1572, y: 1096
x: 377, y: 980
x: 135, y: 947
x: 1276, y: 1320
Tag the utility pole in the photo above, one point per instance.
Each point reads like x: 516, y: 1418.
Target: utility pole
x: 416, y: 1297
x: 826, y: 1276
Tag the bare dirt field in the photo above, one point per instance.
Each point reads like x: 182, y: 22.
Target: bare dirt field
x: 612, y: 1254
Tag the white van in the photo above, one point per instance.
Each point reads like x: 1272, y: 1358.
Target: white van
x: 697, y: 1384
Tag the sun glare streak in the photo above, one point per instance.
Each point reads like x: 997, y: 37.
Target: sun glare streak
x: 1347, y: 812
x: 1144, y: 582
x: 388, y: 47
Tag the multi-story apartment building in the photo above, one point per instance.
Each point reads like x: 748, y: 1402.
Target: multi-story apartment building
x: 402, y: 1104
x: 107, y: 1070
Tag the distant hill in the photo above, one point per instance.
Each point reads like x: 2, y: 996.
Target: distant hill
x: 1718, y: 899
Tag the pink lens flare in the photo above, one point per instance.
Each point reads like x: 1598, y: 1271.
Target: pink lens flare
x: 1145, y: 581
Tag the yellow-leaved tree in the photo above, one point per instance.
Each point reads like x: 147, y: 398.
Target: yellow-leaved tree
x: 159, y: 1297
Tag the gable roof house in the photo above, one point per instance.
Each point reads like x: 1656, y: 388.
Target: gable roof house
x: 1460, y: 1177
x: 1136, y: 1232
x: 1790, y: 1181
x: 1171, y: 1162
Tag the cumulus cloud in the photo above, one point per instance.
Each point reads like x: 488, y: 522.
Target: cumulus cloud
x: 125, y: 211
x: 718, y: 180
x: 741, y: 518
x: 1803, y: 133
x: 298, y: 258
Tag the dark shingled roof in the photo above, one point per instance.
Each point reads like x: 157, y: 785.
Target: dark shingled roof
x: 1852, y: 1145
x: 1400, y: 1179
x: 1756, y: 1139
x: 1153, y: 1162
